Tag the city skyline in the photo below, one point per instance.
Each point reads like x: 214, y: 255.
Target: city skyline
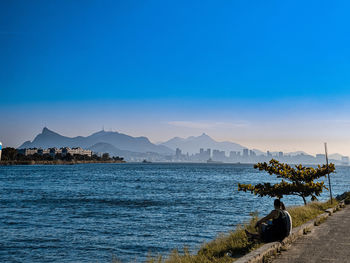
x: 194, y: 146
x: 271, y: 76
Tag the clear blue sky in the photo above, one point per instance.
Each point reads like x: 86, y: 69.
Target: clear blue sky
x: 267, y: 74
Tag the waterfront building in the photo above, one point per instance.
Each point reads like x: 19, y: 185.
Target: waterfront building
x: 245, y: 153
x: 43, y: 151
x: 345, y: 160
x: 53, y: 151
x: 252, y: 153
x: 219, y: 155
x: 0, y: 150
x: 233, y: 154
x: 178, y: 154
x: 208, y: 153
x: 75, y: 151
x: 204, y: 155
x: 28, y: 151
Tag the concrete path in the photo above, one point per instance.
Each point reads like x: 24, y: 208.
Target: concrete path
x: 329, y: 242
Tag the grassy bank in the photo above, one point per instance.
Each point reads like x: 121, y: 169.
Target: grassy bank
x: 235, y: 243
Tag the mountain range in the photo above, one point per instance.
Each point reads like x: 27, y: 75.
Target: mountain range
x: 119, y: 144
x: 192, y: 144
x: 102, y: 141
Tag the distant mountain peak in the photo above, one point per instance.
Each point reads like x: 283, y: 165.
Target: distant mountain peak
x: 201, y: 137
x: 47, y: 131
x: 204, y: 135
x: 48, y: 139
x: 101, y: 132
x: 193, y: 144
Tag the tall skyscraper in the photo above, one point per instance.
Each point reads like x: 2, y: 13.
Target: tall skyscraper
x: 219, y: 155
x: 245, y: 152
x: 208, y: 153
x: 252, y: 153
x: 178, y: 153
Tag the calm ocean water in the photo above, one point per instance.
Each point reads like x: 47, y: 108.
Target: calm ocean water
x: 92, y: 212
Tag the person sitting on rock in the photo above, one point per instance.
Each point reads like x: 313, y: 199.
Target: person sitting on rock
x: 273, y: 227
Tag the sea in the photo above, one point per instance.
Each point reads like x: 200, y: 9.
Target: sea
x: 101, y: 212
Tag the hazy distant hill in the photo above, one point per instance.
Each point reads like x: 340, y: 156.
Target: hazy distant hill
x: 290, y: 153
x: 193, y: 144
x: 103, y: 147
x: 118, y: 144
x: 336, y: 156
x: 121, y: 141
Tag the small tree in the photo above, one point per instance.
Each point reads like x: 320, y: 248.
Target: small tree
x: 295, y: 181
x: 105, y: 157
x: 9, y: 154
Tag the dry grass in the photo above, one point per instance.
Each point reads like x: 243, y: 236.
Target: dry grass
x: 301, y: 214
x: 228, y: 246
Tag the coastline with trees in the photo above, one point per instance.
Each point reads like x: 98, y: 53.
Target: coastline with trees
x: 11, y: 156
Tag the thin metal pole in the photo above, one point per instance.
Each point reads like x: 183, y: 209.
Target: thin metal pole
x: 329, y: 178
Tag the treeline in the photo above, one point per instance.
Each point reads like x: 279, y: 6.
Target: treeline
x: 11, y: 154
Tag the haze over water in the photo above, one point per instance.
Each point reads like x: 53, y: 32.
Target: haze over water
x: 88, y: 213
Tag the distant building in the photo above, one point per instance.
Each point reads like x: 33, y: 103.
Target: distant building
x: 42, y: 151
x: 252, y: 153
x: 0, y: 150
x: 345, y: 160
x: 75, y: 151
x: 280, y: 154
x: 245, y: 152
x: 233, y: 155
x: 53, y: 151
x: 209, y: 153
x: 219, y: 155
x: 204, y: 155
x: 178, y: 153
x: 28, y: 151
x: 268, y: 154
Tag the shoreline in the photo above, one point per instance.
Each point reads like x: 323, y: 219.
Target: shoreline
x: 233, y: 246
x: 54, y: 162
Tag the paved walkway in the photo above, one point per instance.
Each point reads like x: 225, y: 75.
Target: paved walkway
x: 329, y: 242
